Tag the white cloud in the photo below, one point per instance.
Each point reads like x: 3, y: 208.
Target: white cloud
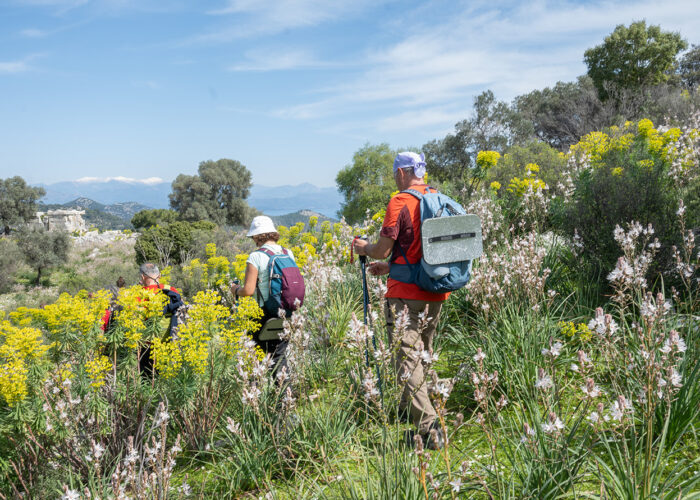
x: 33, y: 33
x: 13, y: 67
x: 277, y: 60
x: 310, y: 110
x: 53, y: 3
x: 20, y: 66
x: 427, y: 117
x: 148, y: 84
x: 149, y: 181
x: 509, y: 50
x: 251, y: 18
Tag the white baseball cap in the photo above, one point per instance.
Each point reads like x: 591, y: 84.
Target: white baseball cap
x: 261, y: 224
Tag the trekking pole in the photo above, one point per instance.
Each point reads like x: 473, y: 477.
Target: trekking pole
x: 234, y: 281
x: 365, y: 303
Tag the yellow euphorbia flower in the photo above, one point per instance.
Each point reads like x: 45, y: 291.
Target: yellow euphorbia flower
x: 96, y: 369
x: 167, y: 358
x: 18, y: 347
x: 487, y: 159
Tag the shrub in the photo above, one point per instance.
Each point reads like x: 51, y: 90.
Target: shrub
x: 153, y: 217
x: 10, y: 260
x: 632, y: 173
x: 171, y: 243
x: 43, y: 249
x: 551, y: 164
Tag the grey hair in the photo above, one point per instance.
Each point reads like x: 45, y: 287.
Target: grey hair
x: 149, y: 269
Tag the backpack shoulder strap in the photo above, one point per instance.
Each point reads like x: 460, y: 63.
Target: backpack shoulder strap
x: 266, y: 251
x: 414, y: 192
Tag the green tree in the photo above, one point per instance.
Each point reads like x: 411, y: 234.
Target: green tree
x: 512, y: 164
x: 689, y: 68
x: 43, y: 249
x: 368, y: 182
x: 633, y: 57
x: 10, y: 260
x: 562, y: 114
x: 17, y: 201
x: 217, y: 193
x: 493, y: 126
x: 172, y: 243
x: 153, y: 217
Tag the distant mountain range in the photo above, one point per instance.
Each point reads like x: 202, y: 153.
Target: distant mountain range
x: 286, y: 199
x: 277, y: 200
x: 108, y: 193
x: 300, y: 216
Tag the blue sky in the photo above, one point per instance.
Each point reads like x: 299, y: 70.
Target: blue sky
x: 147, y: 89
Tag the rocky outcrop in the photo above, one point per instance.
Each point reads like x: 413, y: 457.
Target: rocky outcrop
x: 62, y: 220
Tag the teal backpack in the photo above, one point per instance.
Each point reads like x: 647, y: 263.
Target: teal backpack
x: 450, y: 240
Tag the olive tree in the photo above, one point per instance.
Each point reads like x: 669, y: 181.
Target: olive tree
x: 43, y: 249
x: 17, y: 201
x: 217, y: 193
x: 632, y: 57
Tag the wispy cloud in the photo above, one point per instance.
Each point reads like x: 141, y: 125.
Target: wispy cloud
x: 278, y: 59
x: 251, y: 18
x: 13, y: 67
x: 147, y: 84
x: 513, y: 50
x: 426, y: 117
x: 34, y: 33
x: 51, y: 3
x: 20, y: 66
x: 130, y: 180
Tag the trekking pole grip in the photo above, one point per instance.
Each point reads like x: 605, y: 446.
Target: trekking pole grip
x: 363, y: 258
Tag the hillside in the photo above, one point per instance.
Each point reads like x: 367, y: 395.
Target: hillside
x: 103, y: 217
x: 300, y: 216
x: 270, y: 200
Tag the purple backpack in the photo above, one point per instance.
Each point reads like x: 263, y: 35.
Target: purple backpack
x: 286, y: 283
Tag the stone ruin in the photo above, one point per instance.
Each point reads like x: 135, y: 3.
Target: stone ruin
x: 62, y: 220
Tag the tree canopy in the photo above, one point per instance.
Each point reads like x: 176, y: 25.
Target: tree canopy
x: 17, y: 201
x: 368, y: 182
x: 153, y: 217
x: 43, y: 249
x: 632, y: 57
x: 172, y: 243
x: 689, y: 68
x: 217, y: 193
x: 492, y: 127
x: 562, y: 114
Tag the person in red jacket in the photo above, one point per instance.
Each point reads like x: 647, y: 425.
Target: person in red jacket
x: 400, y: 242
x: 150, y: 277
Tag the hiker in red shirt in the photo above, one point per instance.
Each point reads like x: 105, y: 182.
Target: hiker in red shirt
x: 401, y: 235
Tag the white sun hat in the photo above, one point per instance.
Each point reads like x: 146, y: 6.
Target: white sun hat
x: 261, y: 224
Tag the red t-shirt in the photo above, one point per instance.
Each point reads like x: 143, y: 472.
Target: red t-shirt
x: 402, y: 224
x: 155, y: 288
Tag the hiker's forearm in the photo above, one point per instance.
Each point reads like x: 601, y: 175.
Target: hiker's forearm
x: 379, y: 250
x: 248, y: 287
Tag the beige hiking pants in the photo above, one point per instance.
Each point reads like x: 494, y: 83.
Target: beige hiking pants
x: 408, y: 361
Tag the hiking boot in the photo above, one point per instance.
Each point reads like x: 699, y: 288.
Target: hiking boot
x: 409, y: 436
x: 404, y: 415
x: 434, y: 439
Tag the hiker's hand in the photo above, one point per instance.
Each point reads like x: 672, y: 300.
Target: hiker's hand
x: 359, y: 246
x: 378, y: 268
